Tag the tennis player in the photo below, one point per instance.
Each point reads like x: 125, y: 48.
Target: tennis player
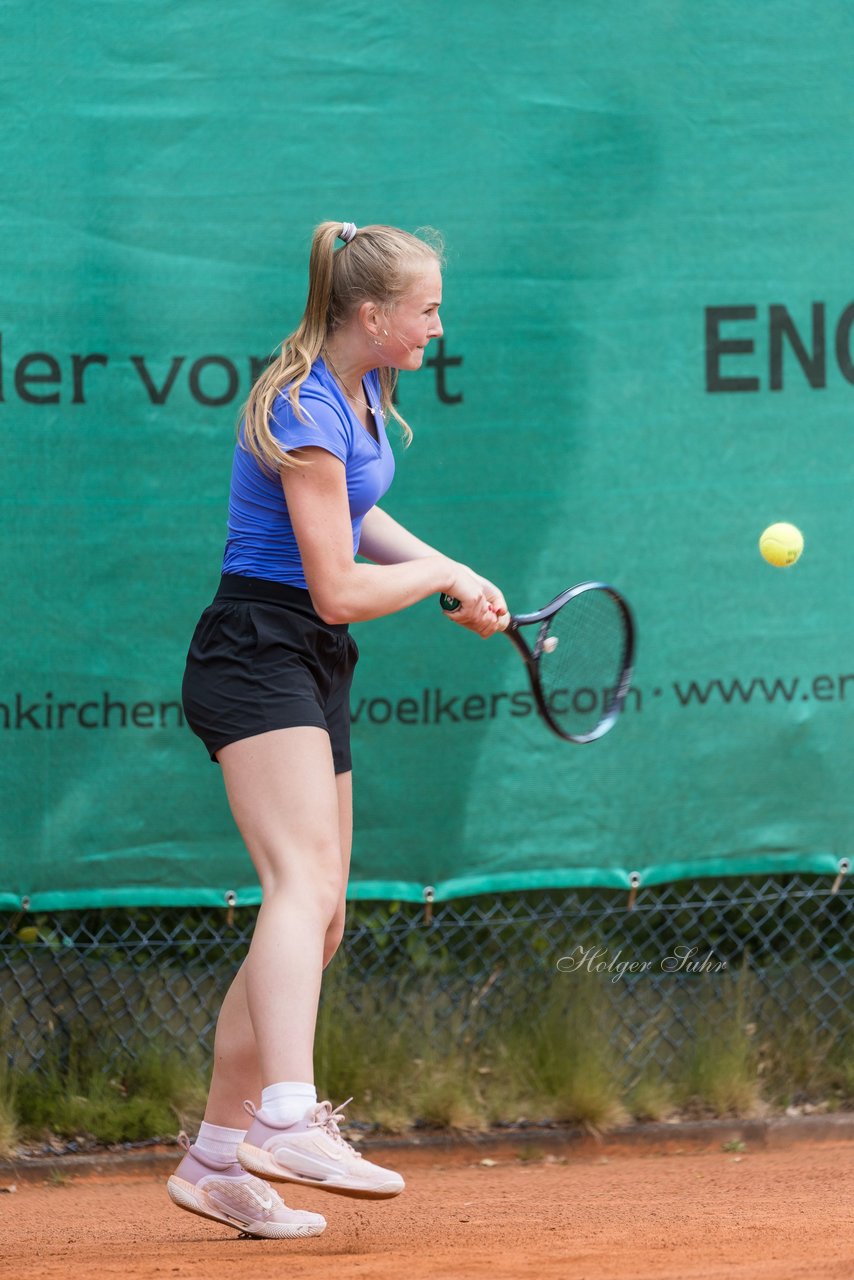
x: 267, y: 688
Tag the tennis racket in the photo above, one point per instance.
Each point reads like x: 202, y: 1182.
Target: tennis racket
x: 579, y: 660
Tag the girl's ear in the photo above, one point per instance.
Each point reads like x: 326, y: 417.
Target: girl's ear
x: 371, y: 319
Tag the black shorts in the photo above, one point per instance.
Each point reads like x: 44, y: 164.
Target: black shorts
x: 262, y: 659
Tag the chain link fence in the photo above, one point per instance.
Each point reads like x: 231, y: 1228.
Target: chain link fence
x: 131, y: 977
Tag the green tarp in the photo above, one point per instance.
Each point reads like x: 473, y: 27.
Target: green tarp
x: 648, y: 358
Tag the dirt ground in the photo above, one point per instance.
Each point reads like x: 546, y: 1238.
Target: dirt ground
x: 723, y: 1215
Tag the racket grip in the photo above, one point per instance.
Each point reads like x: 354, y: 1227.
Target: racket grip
x: 451, y: 604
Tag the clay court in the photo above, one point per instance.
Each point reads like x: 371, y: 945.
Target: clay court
x: 718, y: 1215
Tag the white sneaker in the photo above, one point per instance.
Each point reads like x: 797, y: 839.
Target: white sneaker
x: 226, y: 1193
x: 313, y: 1152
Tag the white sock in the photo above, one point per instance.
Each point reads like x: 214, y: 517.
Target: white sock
x: 218, y: 1143
x: 286, y: 1102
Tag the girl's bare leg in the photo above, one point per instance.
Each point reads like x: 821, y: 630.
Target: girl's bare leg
x: 295, y: 816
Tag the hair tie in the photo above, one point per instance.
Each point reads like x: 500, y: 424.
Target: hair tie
x: 348, y: 230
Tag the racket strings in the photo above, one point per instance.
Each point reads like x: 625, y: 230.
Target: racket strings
x: 580, y: 674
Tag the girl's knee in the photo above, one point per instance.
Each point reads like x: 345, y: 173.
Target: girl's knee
x: 318, y: 896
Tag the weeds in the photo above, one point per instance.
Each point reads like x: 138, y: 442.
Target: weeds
x: 8, y: 1108
x: 800, y: 1060
x: 651, y: 1097
x: 560, y: 1063
x: 555, y: 1055
x: 719, y: 1070
x: 86, y: 1094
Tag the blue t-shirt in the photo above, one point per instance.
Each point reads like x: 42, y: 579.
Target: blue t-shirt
x: 261, y: 541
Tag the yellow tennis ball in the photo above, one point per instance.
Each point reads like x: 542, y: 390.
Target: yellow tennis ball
x: 781, y: 544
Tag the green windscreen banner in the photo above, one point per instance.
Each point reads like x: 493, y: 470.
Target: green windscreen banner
x: 648, y: 357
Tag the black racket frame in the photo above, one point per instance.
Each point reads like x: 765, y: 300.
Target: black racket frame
x: 531, y: 655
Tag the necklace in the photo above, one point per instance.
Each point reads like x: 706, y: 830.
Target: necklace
x: 349, y: 394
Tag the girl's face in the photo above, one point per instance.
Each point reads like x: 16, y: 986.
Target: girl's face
x: 407, y: 329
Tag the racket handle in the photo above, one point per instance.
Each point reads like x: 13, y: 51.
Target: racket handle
x: 451, y: 604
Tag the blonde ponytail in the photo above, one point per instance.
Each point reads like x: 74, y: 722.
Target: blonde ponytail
x: 376, y: 264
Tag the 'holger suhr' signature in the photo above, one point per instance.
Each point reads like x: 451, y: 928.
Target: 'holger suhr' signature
x: 681, y: 960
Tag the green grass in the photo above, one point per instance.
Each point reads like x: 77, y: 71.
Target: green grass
x: 151, y: 1094
x: 8, y: 1110
x: 802, y: 1062
x: 410, y: 1066
x: 841, y: 1068
x: 555, y: 1060
x: 719, y: 1070
x: 555, y: 1055
x: 651, y: 1097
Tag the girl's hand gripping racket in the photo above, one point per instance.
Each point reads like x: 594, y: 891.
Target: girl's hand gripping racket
x: 579, y: 661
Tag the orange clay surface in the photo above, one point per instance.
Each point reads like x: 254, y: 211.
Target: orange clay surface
x: 763, y: 1215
